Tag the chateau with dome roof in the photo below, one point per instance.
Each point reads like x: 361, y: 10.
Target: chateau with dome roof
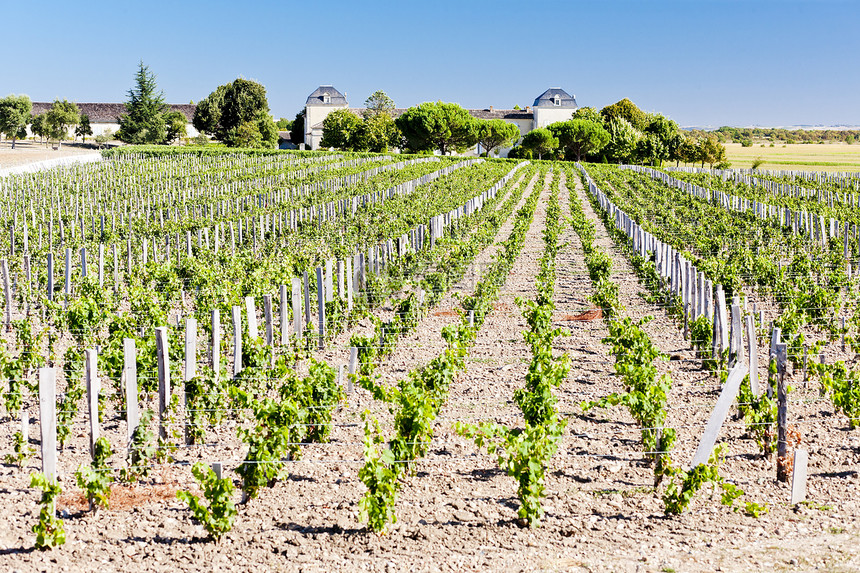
x: 551, y: 106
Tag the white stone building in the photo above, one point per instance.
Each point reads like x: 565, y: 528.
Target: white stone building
x: 551, y: 106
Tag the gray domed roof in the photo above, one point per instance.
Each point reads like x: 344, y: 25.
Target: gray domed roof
x: 555, y: 97
x: 326, y: 95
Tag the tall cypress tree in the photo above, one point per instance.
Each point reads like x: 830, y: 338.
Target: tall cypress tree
x: 144, y: 121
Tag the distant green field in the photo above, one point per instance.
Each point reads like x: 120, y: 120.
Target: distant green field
x: 797, y: 156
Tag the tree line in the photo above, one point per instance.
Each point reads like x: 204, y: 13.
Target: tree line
x: 445, y: 127
x: 237, y: 114
x: 16, y: 114
x: 746, y: 135
x: 621, y: 133
x: 618, y: 133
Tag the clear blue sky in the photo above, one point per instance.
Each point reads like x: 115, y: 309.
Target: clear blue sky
x: 700, y: 62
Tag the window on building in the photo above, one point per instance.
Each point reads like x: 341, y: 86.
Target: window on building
x: 556, y: 100
x: 326, y: 98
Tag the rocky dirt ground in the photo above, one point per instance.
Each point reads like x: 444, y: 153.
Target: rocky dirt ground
x: 458, y: 513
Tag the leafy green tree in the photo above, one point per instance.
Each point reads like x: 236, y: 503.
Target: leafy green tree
x: 651, y: 149
x: 207, y: 114
x: 667, y: 132
x: 39, y: 126
x: 297, y: 131
x: 494, y: 133
x: 520, y: 152
x: 176, y: 125
x: 711, y: 151
x: 268, y: 130
x: 341, y: 130
x: 258, y: 133
x: 14, y: 116
x: 143, y: 121
x: 284, y: 124
x: 588, y: 113
x: 247, y: 135
x: 623, y: 138
x: 378, y: 103
x: 84, y: 128
x: 443, y: 126
x: 580, y: 136
x: 378, y: 133
x: 540, y: 141
x: 243, y: 102
x: 237, y: 114
x: 686, y: 151
x: 626, y: 109
x: 60, y: 117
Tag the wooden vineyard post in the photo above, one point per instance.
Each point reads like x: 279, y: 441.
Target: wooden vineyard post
x: 307, y: 292
x: 340, y: 287
x: 329, y: 285
x: 781, y: 414
x: 718, y: 416
x: 349, y: 283
x: 237, y: 340
x: 686, y: 330
x: 752, y: 348
x: 28, y: 281
x: 101, y: 266
x: 48, y: 420
x: 798, y: 476
x: 190, y: 370
x: 51, y: 276
x: 163, y: 353
x: 215, y: 350
x: 251, y: 310
x: 721, y: 335
x: 115, y: 270
x: 283, y: 315
x: 129, y: 373
x: 353, y: 359
x: 93, y: 389
x: 736, y: 343
x: 4, y: 266
x: 297, y: 306
x: 321, y: 307
x: 267, y: 313
x: 68, y: 276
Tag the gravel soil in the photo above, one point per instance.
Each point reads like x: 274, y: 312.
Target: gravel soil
x: 459, y: 512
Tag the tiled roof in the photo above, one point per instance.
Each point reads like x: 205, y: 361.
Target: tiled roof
x: 546, y: 99
x: 335, y: 97
x: 109, y: 112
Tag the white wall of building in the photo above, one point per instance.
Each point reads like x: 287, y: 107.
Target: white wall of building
x: 547, y: 115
